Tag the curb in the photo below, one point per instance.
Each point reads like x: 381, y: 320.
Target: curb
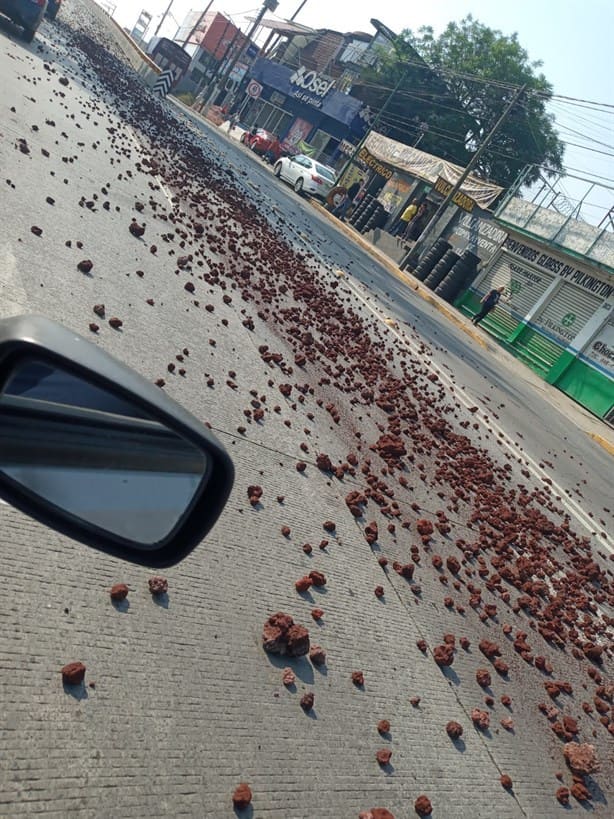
x: 407, y: 279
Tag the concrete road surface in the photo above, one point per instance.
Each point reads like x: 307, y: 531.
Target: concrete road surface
x: 367, y: 419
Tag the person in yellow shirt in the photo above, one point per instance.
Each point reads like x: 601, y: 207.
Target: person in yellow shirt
x: 405, y: 218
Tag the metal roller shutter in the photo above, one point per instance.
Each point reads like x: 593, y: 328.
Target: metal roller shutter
x: 566, y: 313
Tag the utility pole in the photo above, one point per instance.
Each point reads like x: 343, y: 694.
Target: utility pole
x: 163, y: 18
x: 413, y: 256
x: 373, y: 125
x: 268, y: 5
x: 196, y: 25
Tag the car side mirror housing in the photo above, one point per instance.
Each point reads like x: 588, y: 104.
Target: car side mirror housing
x: 91, y: 449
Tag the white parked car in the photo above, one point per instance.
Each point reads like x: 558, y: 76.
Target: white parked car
x: 306, y: 175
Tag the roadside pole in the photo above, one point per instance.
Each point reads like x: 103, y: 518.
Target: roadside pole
x: 411, y: 258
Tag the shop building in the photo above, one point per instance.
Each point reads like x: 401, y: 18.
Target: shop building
x: 558, y: 314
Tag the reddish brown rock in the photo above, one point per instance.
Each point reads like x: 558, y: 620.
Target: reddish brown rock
x: 116, y: 323
x: 422, y: 645
x: 406, y: 570
x: 85, y: 265
x: 415, y: 701
x: 358, y: 678
x: 371, y: 532
x: 501, y: 667
x: 423, y: 806
x: 323, y: 462
x: 454, y: 729
x: 425, y: 527
x: 158, y: 585
x: 307, y: 701
x: 317, y: 614
x: 317, y: 578
x: 506, y: 700
x: 507, y: 723
x: 481, y: 719
x: 303, y: 584
x: 482, y: 676
x: 285, y: 530
x: 580, y: 792
x: 383, y: 756
x: 581, y: 758
x: 489, y: 649
x: 506, y: 781
x: 329, y: 525
x: 288, y: 677
x: 119, y: 592
x: 242, y: 797
x: 281, y: 635
x: 297, y: 641
x: 562, y: 796
x: 317, y: 655
x: 379, y: 591
x: 453, y: 565
x: 443, y: 655
x: 136, y: 229
x: 73, y: 673
x: 376, y: 813
x: 99, y: 309
x: 93, y: 327
x: 383, y: 726
x: 465, y: 643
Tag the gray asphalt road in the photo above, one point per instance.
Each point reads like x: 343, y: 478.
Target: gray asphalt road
x: 186, y: 704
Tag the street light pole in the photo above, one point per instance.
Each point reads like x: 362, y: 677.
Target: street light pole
x: 163, y: 18
x: 412, y: 257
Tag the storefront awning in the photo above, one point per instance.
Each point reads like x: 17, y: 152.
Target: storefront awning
x: 429, y: 167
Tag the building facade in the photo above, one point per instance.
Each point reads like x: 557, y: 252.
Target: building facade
x: 558, y: 311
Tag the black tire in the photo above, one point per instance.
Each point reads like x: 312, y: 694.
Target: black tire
x: 28, y: 34
x: 277, y: 170
x: 298, y: 185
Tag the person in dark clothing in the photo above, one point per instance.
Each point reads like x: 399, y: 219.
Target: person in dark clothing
x: 488, y: 302
x: 343, y: 207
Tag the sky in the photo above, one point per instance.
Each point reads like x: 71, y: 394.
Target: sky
x: 573, y: 40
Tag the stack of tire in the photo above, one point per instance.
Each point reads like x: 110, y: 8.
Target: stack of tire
x: 459, y: 277
x: 366, y: 214
x: 430, y: 259
x: 441, y: 269
x: 359, y: 210
x: 377, y: 219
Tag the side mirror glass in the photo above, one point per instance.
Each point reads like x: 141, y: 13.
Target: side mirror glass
x: 94, y: 456
x: 94, y: 451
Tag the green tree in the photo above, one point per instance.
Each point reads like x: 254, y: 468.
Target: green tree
x: 469, y: 74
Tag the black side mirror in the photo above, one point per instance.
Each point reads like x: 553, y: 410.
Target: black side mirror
x: 91, y: 449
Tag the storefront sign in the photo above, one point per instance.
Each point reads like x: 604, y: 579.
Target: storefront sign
x: 601, y: 349
x: 461, y: 199
x: 580, y: 278
x: 307, y: 88
x: 311, y: 82
x: 477, y: 235
x: 374, y: 164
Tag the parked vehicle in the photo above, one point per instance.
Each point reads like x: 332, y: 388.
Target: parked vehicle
x: 306, y: 175
x: 53, y: 6
x: 260, y: 142
x: 26, y: 13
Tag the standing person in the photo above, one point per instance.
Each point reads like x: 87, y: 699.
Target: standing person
x: 271, y: 155
x: 342, y: 208
x: 488, y: 302
x: 416, y: 226
x: 405, y: 218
